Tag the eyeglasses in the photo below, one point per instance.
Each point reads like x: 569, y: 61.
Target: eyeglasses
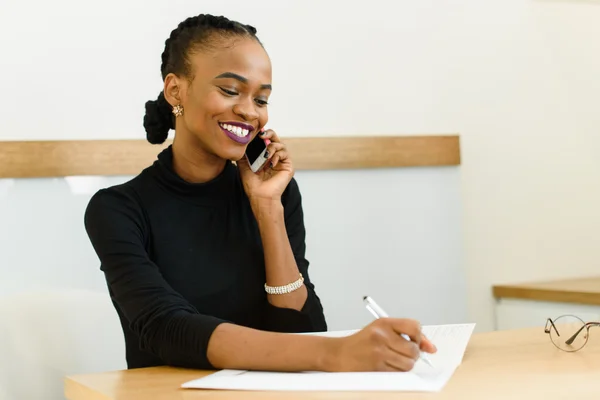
x: 568, y: 332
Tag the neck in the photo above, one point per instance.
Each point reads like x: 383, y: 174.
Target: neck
x: 194, y: 164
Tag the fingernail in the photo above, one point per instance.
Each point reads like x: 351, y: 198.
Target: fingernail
x: 266, y: 154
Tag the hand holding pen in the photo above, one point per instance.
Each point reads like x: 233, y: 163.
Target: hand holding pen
x: 379, y: 346
x: 423, y: 343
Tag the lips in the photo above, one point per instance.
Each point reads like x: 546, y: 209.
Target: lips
x: 239, y: 124
x: 237, y: 131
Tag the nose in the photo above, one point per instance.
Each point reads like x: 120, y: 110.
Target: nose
x: 246, y: 109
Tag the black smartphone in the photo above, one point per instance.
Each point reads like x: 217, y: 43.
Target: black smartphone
x: 256, y: 152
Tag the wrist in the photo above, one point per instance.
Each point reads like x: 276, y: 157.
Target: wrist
x: 328, y: 360
x: 265, y: 202
x: 265, y: 208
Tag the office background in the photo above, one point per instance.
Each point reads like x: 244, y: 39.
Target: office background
x: 517, y: 80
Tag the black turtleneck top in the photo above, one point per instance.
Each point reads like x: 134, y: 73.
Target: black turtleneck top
x: 181, y: 258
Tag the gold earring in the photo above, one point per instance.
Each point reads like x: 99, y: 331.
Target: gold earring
x: 178, y: 110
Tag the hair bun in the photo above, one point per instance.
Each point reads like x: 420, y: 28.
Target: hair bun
x: 158, y: 120
x: 251, y: 29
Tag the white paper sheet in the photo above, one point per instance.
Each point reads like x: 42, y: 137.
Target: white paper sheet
x: 451, y: 341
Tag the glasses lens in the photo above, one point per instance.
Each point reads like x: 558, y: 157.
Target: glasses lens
x: 568, y: 333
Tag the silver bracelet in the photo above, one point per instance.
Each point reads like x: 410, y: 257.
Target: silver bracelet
x: 289, y: 288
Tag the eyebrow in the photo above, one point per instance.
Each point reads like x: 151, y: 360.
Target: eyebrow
x: 241, y: 79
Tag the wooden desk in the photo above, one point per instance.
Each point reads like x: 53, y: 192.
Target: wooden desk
x: 528, y: 304
x: 579, y: 291
x: 521, y: 364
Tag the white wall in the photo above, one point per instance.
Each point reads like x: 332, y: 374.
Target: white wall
x: 518, y: 79
x: 527, y: 96
x: 352, y: 251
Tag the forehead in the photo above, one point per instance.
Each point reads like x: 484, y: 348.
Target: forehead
x: 243, y: 56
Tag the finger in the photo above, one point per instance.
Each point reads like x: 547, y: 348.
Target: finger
x: 276, y: 152
x: 427, y: 345
x: 271, y: 135
x: 408, y: 327
x: 274, y: 160
x: 397, y: 362
x: 403, y: 347
x: 278, y: 157
x: 272, y: 148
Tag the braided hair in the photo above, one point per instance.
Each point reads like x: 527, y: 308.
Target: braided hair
x: 201, y: 32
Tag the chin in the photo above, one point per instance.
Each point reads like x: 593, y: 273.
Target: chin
x: 232, y: 155
x: 229, y: 150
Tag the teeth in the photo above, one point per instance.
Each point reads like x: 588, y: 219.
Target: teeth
x: 236, y: 130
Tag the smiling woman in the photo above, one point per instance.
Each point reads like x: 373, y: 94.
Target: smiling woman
x: 217, y: 80
x: 205, y: 260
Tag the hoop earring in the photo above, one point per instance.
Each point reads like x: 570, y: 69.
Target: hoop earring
x: 178, y: 110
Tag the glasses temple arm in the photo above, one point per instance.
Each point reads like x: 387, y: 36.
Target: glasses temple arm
x: 547, y: 330
x: 572, y: 338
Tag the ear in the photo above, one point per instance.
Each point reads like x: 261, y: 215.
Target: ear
x: 172, y: 89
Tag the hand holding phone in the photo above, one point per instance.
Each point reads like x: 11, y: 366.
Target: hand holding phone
x: 264, y: 184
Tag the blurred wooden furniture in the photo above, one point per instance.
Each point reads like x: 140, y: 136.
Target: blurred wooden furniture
x: 519, y: 363
x: 529, y: 304
x: 34, y: 159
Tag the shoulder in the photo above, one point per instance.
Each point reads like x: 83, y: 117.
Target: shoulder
x: 121, y: 195
x: 115, y: 205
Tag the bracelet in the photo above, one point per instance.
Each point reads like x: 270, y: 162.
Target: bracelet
x: 290, y: 287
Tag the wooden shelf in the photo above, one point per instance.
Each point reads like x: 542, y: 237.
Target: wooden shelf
x: 33, y: 159
x: 579, y: 290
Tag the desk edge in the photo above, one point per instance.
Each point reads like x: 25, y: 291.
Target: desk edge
x: 550, y: 295
x: 74, y: 390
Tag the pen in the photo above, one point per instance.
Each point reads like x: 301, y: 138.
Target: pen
x: 379, y: 313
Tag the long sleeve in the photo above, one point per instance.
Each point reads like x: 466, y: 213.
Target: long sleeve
x: 167, y: 325
x: 311, y: 317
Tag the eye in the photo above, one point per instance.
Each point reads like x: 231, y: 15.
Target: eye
x: 228, y: 92
x: 261, y: 102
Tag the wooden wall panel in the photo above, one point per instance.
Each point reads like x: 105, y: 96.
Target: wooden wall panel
x: 29, y: 159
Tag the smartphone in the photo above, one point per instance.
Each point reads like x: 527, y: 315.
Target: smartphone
x: 256, y: 152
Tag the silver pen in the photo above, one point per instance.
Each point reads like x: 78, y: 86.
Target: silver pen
x: 379, y: 313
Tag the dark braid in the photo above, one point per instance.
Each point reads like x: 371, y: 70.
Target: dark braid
x: 203, y: 32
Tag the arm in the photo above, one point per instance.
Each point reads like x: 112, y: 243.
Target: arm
x: 237, y: 347
x: 171, y: 328
x: 281, y: 225
x: 168, y: 325
x: 280, y: 264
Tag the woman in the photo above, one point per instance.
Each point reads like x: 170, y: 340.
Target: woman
x: 192, y: 247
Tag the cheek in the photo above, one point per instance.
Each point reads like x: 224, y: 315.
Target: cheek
x: 263, y: 115
x: 203, y: 111
x: 207, y: 106
x: 215, y: 103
